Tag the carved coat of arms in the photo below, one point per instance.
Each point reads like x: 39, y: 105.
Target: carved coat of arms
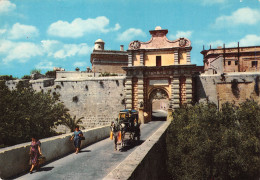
x: 182, y: 42
x: 134, y: 45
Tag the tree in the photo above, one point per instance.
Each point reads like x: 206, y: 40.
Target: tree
x: 35, y: 71
x: 71, y: 123
x: 25, y: 112
x: 204, y: 143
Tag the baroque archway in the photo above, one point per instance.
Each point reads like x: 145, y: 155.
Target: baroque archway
x: 159, y: 104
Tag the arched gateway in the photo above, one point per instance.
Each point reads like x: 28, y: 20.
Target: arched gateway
x: 159, y: 104
x: 159, y: 75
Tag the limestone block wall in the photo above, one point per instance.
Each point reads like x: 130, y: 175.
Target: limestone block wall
x: 206, y: 88
x: 75, y: 74
x: 98, y: 100
x: 15, y: 159
x: 220, y: 89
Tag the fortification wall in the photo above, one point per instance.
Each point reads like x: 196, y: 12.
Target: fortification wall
x: 231, y: 87
x: 97, y: 99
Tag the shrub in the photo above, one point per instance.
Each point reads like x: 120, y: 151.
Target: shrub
x: 204, y: 143
x: 51, y: 74
x: 26, y: 77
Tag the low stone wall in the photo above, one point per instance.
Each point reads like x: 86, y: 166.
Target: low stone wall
x: 15, y: 159
x: 148, y: 161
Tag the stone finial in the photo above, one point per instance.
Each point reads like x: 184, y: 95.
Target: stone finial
x: 158, y: 28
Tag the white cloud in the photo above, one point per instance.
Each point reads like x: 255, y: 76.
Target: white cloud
x: 19, y: 31
x: 2, y: 31
x: 130, y: 34
x: 186, y: 34
x: 6, y: 6
x: 245, y: 15
x: 45, y: 65
x: 59, y: 50
x: 80, y: 64
x: 248, y: 40
x: 79, y: 27
x: 21, y: 51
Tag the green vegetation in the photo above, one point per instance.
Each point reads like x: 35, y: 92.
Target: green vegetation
x: 25, y: 112
x: 107, y: 74
x: 204, y: 143
x: 26, y: 77
x: 51, y: 74
x: 71, y: 123
x: 35, y: 71
x: 6, y: 77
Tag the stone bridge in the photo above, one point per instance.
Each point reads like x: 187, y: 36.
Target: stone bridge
x: 97, y: 160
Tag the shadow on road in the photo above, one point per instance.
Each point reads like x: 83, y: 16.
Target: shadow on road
x: 81, y: 151
x: 46, y: 168
x: 159, y: 115
x: 131, y: 145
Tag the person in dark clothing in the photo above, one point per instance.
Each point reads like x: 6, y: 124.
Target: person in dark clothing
x: 137, y: 130
x: 35, y: 152
x: 77, y: 138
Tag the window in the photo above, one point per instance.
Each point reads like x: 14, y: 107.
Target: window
x: 229, y: 62
x: 236, y: 62
x: 254, y: 63
x: 158, y: 61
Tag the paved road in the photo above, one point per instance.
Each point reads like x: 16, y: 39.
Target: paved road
x: 93, y: 162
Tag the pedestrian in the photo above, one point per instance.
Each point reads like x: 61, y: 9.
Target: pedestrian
x: 77, y: 135
x: 115, y: 130
x: 35, y: 152
x: 137, y: 130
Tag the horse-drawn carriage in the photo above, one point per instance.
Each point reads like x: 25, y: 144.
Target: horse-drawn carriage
x: 129, y: 126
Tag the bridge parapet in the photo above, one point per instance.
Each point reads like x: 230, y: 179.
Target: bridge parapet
x: 15, y: 159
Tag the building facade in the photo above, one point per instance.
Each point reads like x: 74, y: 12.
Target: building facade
x: 159, y: 74
x: 108, y: 61
x: 237, y: 59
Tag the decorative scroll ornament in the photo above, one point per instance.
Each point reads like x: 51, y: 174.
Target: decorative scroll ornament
x: 159, y: 94
x: 134, y: 45
x: 183, y: 42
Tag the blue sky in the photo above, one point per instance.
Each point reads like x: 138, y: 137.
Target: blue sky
x: 44, y: 34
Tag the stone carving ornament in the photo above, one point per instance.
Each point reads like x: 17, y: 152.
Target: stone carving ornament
x: 182, y: 42
x: 159, y: 94
x: 134, y: 45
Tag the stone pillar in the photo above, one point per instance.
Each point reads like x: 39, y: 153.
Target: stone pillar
x: 175, y: 88
x: 141, y: 115
x: 176, y: 57
x: 140, y: 91
x: 128, y: 93
x: 141, y: 58
x: 188, y: 89
x: 188, y: 57
x: 130, y: 58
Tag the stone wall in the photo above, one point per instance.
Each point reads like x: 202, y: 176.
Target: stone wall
x: 15, y: 159
x: 97, y: 99
x: 231, y: 87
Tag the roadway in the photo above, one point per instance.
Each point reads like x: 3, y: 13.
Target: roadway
x: 93, y: 162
